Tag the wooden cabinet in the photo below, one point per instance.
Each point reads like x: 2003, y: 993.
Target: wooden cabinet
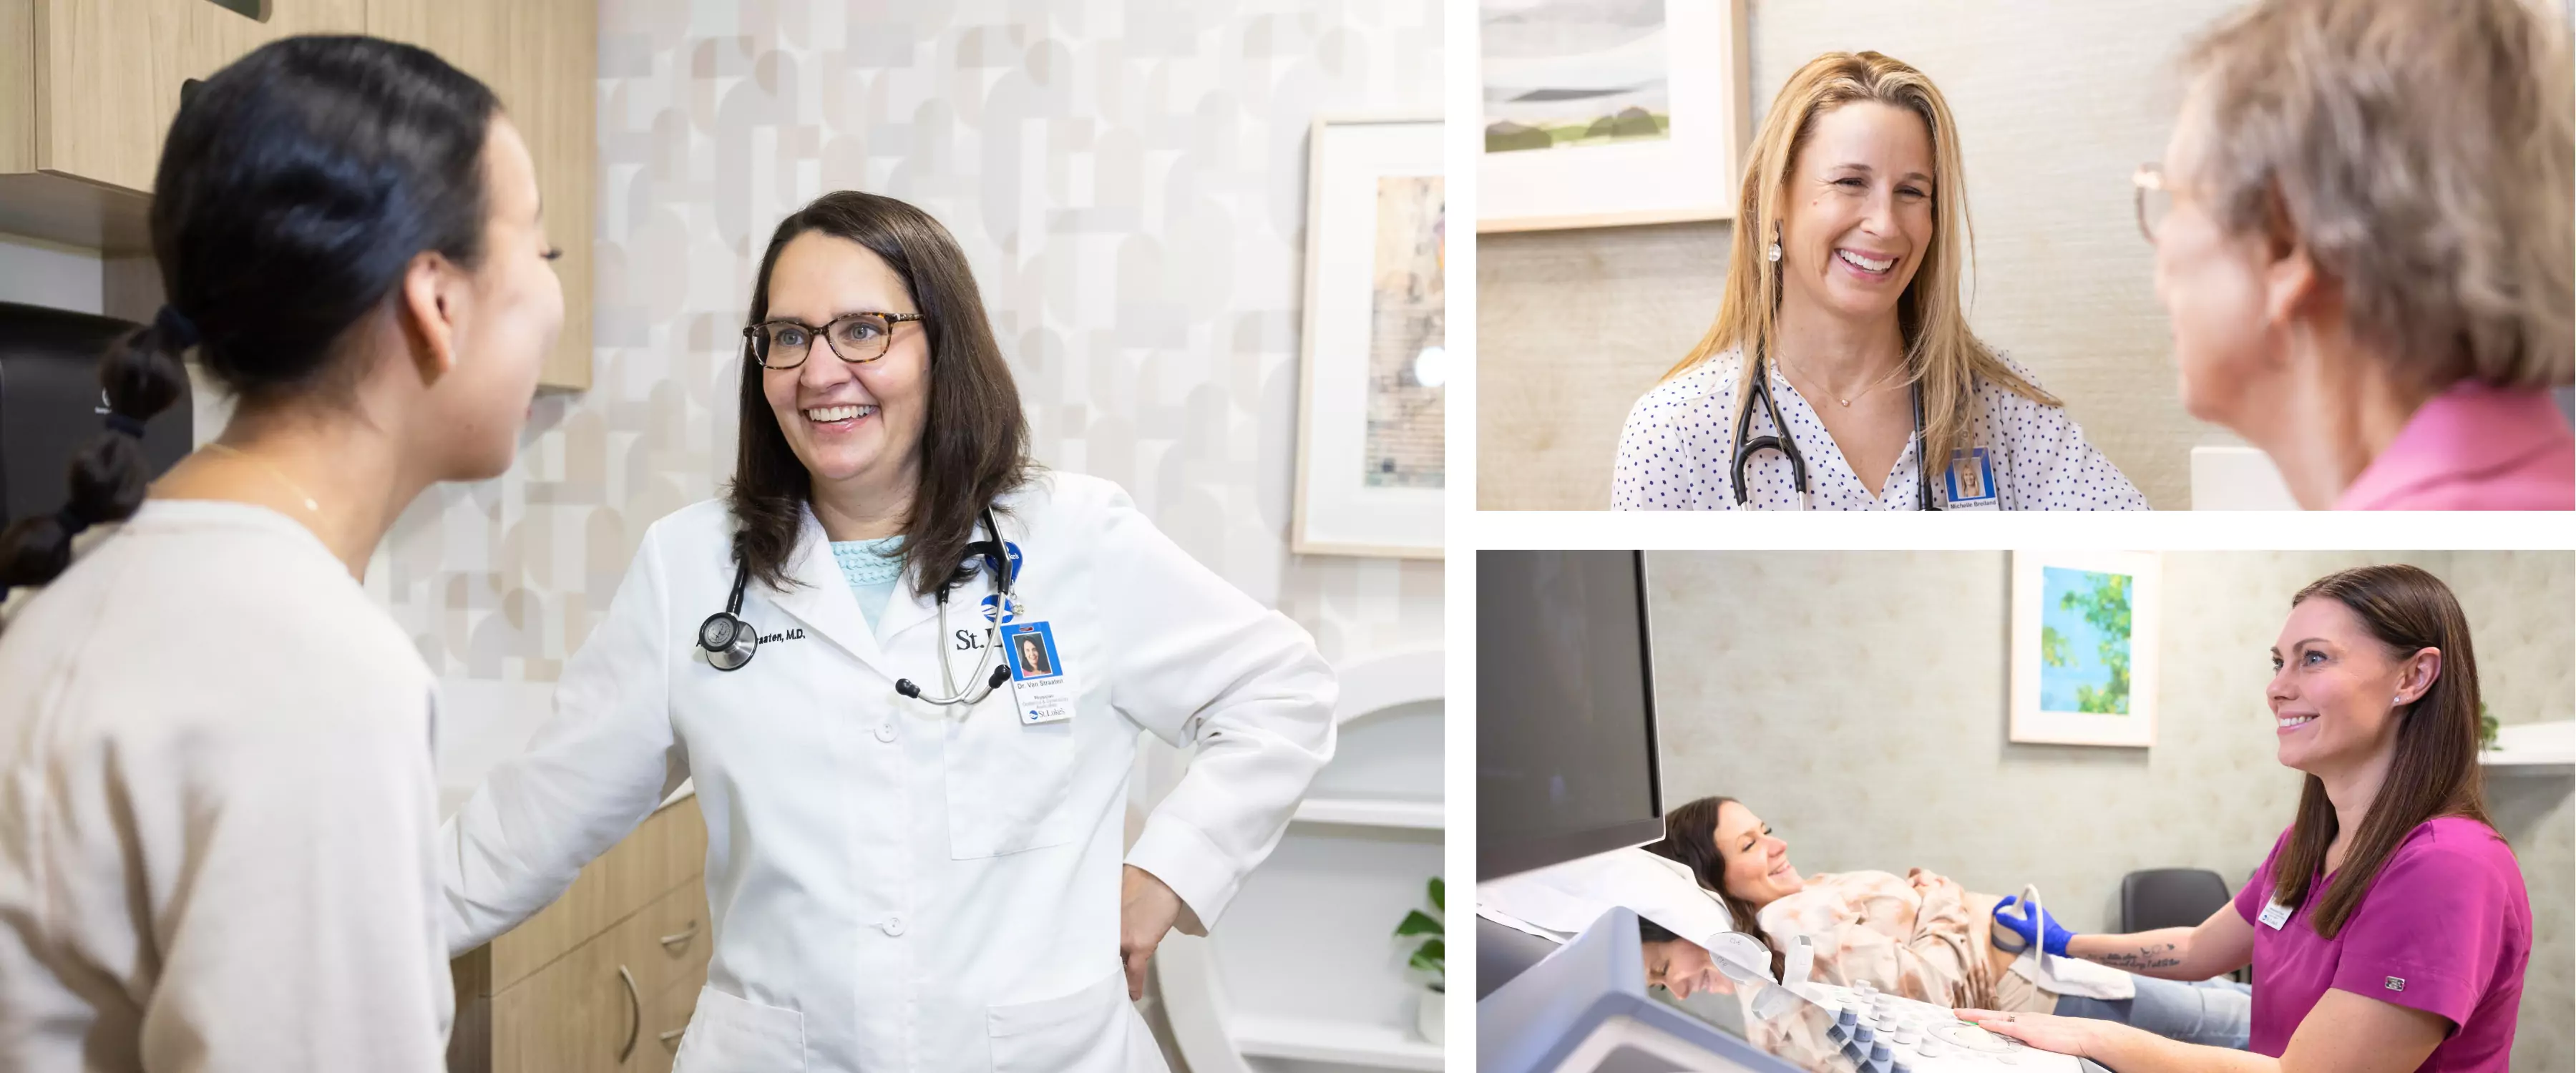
x: 603, y: 980
x: 542, y: 58
x: 88, y: 89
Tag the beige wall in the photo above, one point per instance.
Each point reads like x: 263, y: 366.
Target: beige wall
x: 2056, y: 105
x: 1856, y: 701
x: 1128, y: 183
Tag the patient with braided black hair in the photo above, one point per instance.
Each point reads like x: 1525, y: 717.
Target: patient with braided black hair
x: 217, y: 797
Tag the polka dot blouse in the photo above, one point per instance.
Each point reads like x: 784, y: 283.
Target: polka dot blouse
x: 1678, y: 453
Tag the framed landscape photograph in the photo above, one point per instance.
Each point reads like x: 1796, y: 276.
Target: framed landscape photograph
x: 1602, y: 113
x: 1373, y: 378
x: 2084, y: 629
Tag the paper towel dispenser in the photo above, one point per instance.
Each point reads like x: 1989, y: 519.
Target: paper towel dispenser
x: 51, y: 405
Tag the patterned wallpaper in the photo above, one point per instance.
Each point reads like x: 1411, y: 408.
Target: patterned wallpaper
x: 1128, y: 179
x: 2056, y: 105
x: 1856, y: 701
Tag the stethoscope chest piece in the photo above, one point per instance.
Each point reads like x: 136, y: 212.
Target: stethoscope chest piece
x: 729, y: 641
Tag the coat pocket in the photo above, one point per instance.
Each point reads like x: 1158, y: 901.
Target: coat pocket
x: 1092, y: 1030
x: 734, y: 1035
x: 1010, y: 784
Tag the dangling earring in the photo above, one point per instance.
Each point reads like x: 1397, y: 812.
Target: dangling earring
x: 1773, y: 254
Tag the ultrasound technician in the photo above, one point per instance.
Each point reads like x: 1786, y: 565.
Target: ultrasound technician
x: 2389, y: 928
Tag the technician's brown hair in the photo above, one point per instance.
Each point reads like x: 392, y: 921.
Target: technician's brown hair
x: 2422, y: 152
x: 974, y: 441
x: 2435, y: 772
x: 1690, y: 837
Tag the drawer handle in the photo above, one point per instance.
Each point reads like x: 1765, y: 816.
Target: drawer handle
x: 681, y: 937
x: 635, y: 1001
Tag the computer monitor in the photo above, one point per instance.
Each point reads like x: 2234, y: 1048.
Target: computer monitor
x: 1566, y: 762
x: 1585, y: 1009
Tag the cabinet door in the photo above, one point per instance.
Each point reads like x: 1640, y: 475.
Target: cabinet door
x: 623, y: 990
x: 553, y: 97
x: 108, y: 73
x: 542, y: 58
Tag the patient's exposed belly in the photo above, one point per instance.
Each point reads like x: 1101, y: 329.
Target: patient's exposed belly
x: 1981, y: 930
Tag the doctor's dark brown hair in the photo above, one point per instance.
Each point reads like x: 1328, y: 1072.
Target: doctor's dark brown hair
x: 2435, y: 772
x: 1690, y: 837
x: 294, y: 190
x: 974, y: 440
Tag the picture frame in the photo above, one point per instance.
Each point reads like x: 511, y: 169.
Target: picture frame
x: 1372, y: 360
x: 2084, y: 658
x: 1598, y: 116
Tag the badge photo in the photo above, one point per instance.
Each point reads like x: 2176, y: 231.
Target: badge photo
x: 1040, y: 682
x: 1031, y: 647
x: 1971, y: 480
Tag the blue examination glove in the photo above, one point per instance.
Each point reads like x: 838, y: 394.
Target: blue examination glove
x: 2046, y: 931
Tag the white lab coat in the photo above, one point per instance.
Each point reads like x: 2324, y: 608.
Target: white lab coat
x: 897, y: 885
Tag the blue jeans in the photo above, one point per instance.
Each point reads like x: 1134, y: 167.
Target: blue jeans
x: 2213, y: 1013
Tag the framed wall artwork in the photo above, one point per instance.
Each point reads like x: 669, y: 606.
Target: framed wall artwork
x: 1374, y: 362
x: 2084, y: 628
x: 1603, y: 113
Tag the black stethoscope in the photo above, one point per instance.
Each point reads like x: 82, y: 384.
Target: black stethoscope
x: 1780, y: 440
x: 730, y: 642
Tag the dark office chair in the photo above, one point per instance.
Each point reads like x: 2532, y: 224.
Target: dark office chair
x: 2172, y: 898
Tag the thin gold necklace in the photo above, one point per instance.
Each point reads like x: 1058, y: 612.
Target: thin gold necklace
x: 1866, y: 389
x: 273, y: 471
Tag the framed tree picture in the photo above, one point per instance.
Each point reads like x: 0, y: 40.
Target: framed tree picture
x: 1602, y: 113
x: 1373, y: 398
x: 2084, y: 628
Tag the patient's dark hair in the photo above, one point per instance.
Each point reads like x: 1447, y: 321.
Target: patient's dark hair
x: 1690, y: 837
x: 294, y: 190
x: 1650, y: 932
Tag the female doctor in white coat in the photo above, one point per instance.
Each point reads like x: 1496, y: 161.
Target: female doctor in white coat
x: 898, y: 882
x: 1841, y: 374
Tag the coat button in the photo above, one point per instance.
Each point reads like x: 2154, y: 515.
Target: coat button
x: 892, y: 925
x: 885, y: 731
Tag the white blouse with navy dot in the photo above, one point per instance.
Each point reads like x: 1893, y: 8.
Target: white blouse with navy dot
x: 1678, y: 453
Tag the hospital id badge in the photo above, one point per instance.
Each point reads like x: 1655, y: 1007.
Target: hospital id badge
x: 2275, y: 915
x: 1040, y: 684
x: 1971, y: 480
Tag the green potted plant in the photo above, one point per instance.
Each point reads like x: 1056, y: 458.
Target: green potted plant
x: 1429, y: 957
x: 2487, y: 726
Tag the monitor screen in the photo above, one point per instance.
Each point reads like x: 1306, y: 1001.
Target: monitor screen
x: 1565, y: 714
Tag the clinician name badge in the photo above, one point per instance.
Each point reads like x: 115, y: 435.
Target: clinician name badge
x: 1040, y: 682
x: 2275, y: 915
x: 1971, y: 480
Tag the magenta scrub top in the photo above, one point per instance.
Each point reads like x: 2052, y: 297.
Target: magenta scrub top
x: 2473, y: 447
x: 2446, y: 928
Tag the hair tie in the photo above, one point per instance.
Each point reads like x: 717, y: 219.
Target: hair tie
x: 71, y: 521
x: 117, y: 422
x: 174, y: 328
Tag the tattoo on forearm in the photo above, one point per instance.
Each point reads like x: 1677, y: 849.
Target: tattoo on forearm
x: 2152, y: 956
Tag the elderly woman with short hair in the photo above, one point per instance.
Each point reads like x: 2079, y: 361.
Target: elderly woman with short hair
x: 2362, y: 232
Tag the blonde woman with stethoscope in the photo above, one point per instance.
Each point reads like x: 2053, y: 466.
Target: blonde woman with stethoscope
x: 914, y: 810
x: 1842, y: 297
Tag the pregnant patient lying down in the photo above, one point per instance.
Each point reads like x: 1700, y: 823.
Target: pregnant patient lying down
x: 1922, y: 936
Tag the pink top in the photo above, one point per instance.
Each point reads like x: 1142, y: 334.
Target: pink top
x: 2445, y: 928
x: 2474, y: 447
